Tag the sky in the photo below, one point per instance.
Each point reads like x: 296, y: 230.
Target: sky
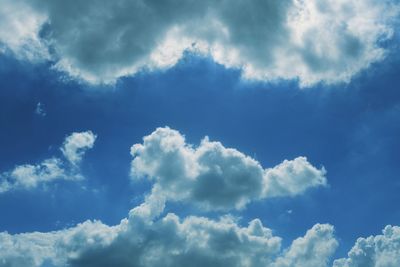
x: 199, y: 133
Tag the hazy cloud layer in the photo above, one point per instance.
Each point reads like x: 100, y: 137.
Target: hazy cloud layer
x: 28, y: 176
x: 100, y: 41
x: 214, y: 177
x: 375, y: 251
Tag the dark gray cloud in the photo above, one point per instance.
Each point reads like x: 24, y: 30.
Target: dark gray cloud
x: 100, y: 41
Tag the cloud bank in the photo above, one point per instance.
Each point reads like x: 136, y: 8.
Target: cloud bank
x: 196, y: 241
x: 99, y: 41
x: 149, y: 237
x: 29, y: 176
x: 169, y: 241
x: 214, y: 177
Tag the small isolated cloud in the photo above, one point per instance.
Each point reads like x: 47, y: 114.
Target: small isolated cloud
x: 378, y: 251
x: 99, y: 41
x: 215, y: 177
x: 29, y: 176
x: 39, y: 110
x: 76, y: 144
x: 169, y: 241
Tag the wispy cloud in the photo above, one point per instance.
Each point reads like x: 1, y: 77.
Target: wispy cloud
x: 39, y: 110
x: 28, y: 176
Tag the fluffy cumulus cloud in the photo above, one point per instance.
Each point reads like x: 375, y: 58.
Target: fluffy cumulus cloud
x: 52, y: 248
x: 312, y: 250
x: 147, y: 241
x: 147, y: 238
x: 28, y: 176
x: 215, y: 177
x: 375, y: 251
x: 151, y: 237
x: 100, y: 41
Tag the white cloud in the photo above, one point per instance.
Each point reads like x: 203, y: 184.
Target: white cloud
x: 146, y: 239
x: 50, y: 249
x: 19, y: 31
x: 375, y: 251
x: 169, y: 241
x: 149, y: 237
x: 29, y: 176
x: 76, y: 144
x: 39, y: 110
x: 26, y: 249
x: 215, y: 177
x: 312, y: 250
x: 100, y: 41
x: 292, y: 177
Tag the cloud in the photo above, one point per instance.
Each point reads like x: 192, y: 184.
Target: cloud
x: 148, y: 239
x: 39, y: 110
x: 99, y: 41
x: 168, y: 241
x: 378, y: 251
x: 312, y: 250
x: 214, y: 177
x: 19, y: 32
x: 151, y: 237
x: 49, y: 249
x: 29, y: 176
x: 76, y: 144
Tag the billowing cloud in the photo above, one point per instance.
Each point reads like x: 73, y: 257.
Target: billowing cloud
x: 312, y: 250
x: 50, y: 249
x: 149, y: 237
x: 76, y: 144
x: 100, y: 41
x: 169, y: 241
x: 28, y: 176
x: 375, y: 251
x: 215, y: 177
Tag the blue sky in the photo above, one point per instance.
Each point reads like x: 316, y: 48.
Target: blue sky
x: 342, y: 114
